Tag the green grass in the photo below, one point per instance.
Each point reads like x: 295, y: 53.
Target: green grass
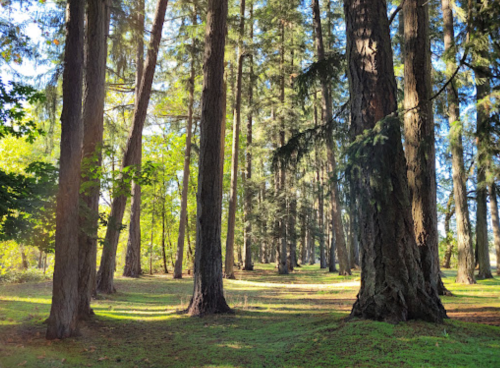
x: 280, y: 321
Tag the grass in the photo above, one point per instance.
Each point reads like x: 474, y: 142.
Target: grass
x: 280, y: 321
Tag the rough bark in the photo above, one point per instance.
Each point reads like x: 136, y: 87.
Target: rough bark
x: 495, y: 223
x: 62, y: 322
x: 450, y: 211
x: 208, y: 295
x: 187, y: 159
x: 465, y: 273
x: 132, y: 154
x: 420, y: 149
x: 93, y: 127
x: 248, y: 266
x: 392, y: 282
x: 133, y: 255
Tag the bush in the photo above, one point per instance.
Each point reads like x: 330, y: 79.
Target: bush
x: 19, y: 277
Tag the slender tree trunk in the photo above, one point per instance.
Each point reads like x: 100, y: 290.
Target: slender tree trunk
x: 321, y: 215
x: 152, y: 236
x: 131, y: 157
x: 419, y: 139
x: 464, y: 241
x: 326, y: 102
x: 249, y: 185
x: 449, y: 238
x: 392, y: 282
x: 229, y: 273
x: 187, y: 160
x: 133, y: 257
x: 98, y: 18
x: 165, y: 269
x: 208, y: 295
x: 263, y: 214
x: 495, y: 223
x: 62, y: 321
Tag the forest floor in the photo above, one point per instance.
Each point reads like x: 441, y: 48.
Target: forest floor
x: 280, y: 321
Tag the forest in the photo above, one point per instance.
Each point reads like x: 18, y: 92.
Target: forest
x: 315, y: 181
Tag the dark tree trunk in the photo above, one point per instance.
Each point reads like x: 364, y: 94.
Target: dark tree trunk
x: 495, y: 223
x: 98, y: 18
x: 392, y: 282
x: 465, y: 273
x: 208, y: 295
x: 132, y: 155
x: 419, y: 140
x: 62, y: 321
x: 133, y: 257
x: 249, y: 185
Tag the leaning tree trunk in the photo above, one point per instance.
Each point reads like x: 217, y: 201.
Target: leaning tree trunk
x: 495, y: 223
x: 326, y: 102
x: 133, y: 257
x: 465, y: 273
x: 93, y: 116
x: 208, y: 295
x: 132, y: 154
x: 62, y: 321
x: 187, y: 159
x: 419, y: 140
x: 229, y: 272
x: 248, y: 266
x: 392, y: 282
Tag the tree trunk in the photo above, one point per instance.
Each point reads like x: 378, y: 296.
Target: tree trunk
x: 187, y: 159
x: 62, y: 321
x: 392, y: 282
x: 263, y: 214
x: 249, y: 185
x: 419, y: 139
x: 98, y: 18
x: 233, y: 197
x: 465, y: 273
x: 449, y: 238
x: 208, y: 295
x: 495, y: 223
x: 133, y: 257
x: 132, y: 155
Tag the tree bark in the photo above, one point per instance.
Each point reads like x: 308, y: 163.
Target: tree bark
x: 495, y: 223
x: 131, y: 157
x: 420, y: 149
x: 62, y: 322
x: 187, y: 159
x: 392, y: 282
x: 208, y: 295
x: 248, y: 266
x: 465, y: 273
x: 98, y: 18
x: 449, y: 238
x: 133, y: 256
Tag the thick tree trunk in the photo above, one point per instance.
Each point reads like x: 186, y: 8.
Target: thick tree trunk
x: 62, y: 321
x: 419, y: 139
x: 132, y: 155
x: 326, y: 102
x: 229, y: 273
x: 133, y: 257
x: 98, y: 18
x: 495, y: 223
x: 208, y: 295
x: 187, y: 159
x: 392, y: 282
x: 248, y: 266
x: 464, y: 241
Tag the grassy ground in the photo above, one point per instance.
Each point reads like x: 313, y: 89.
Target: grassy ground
x: 280, y: 321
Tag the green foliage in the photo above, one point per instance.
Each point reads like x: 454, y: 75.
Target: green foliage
x: 19, y: 277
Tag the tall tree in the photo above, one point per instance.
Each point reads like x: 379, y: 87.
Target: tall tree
x: 495, y: 223
x: 465, y: 273
x: 131, y: 156
x: 208, y: 295
x: 344, y: 268
x: 392, y: 282
x: 233, y: 196
x: 419, y: 139
x: 133, y: 257
x: 187, y: 159
x: 93, y: 128
x: 62, y: 321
